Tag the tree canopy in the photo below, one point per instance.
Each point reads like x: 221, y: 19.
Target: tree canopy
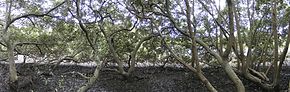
x: 241, y: 36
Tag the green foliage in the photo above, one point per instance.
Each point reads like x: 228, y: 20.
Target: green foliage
x: 60, y: 34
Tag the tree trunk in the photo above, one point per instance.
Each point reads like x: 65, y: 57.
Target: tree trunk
x: 228, y: 69
x: 133, y: 55
x: 12, y: 68
x: 10, y: 46
x: 200, y: 75
x: 275, y: 33
x: 113, y: 51
x: 94, y: 78
x: 238, y: 83
x: 239, y: 35
x: 116, y: 57
x: 194, y: 57
x: 283, y: 56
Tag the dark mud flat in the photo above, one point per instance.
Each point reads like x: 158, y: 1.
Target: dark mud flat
x: 36, y: 78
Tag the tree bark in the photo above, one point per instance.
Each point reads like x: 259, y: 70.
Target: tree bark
x: 12, y: 69
x: 6, y: 36
x: 112, y: 50
x: 9, y: 44
x: 228, y: 69
x: 284, y: 53
x: 231, y: 29
x: 133, y: 58
x: 238, y: 83
x: 239, y: 35
x: 194, y: 57
x: 97, y: 60
x: 94, y: 78
x: 199, y: 74
x: 275, y: 33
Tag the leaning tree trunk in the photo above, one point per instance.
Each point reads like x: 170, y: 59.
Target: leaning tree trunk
x: 97, y: 60
x: 230, y: 72
x: 228, y: 69
x: 194, y: 57
x: 134, y: 53
x: 94, y: 78
x: 199, y: 74
x: 238, y: 83
x: 113, y: 52
x: 223, y: 61
x: 284, y: 53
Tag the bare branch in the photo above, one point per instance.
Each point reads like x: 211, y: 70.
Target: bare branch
x: 31, y: 21
x: 125, y: 29
x: 29, y: 43
x: 225, y: 32
x: 32, y: 15
x: 86, y: 34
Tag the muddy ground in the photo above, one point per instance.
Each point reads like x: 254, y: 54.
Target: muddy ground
x: 36, y: 78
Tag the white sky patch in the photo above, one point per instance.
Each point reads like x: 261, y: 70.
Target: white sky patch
x: 47, y: 4
x: 221, y: 3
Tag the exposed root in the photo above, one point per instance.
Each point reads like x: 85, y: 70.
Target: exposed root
x: 259, y: 81
x: 260, y: 75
